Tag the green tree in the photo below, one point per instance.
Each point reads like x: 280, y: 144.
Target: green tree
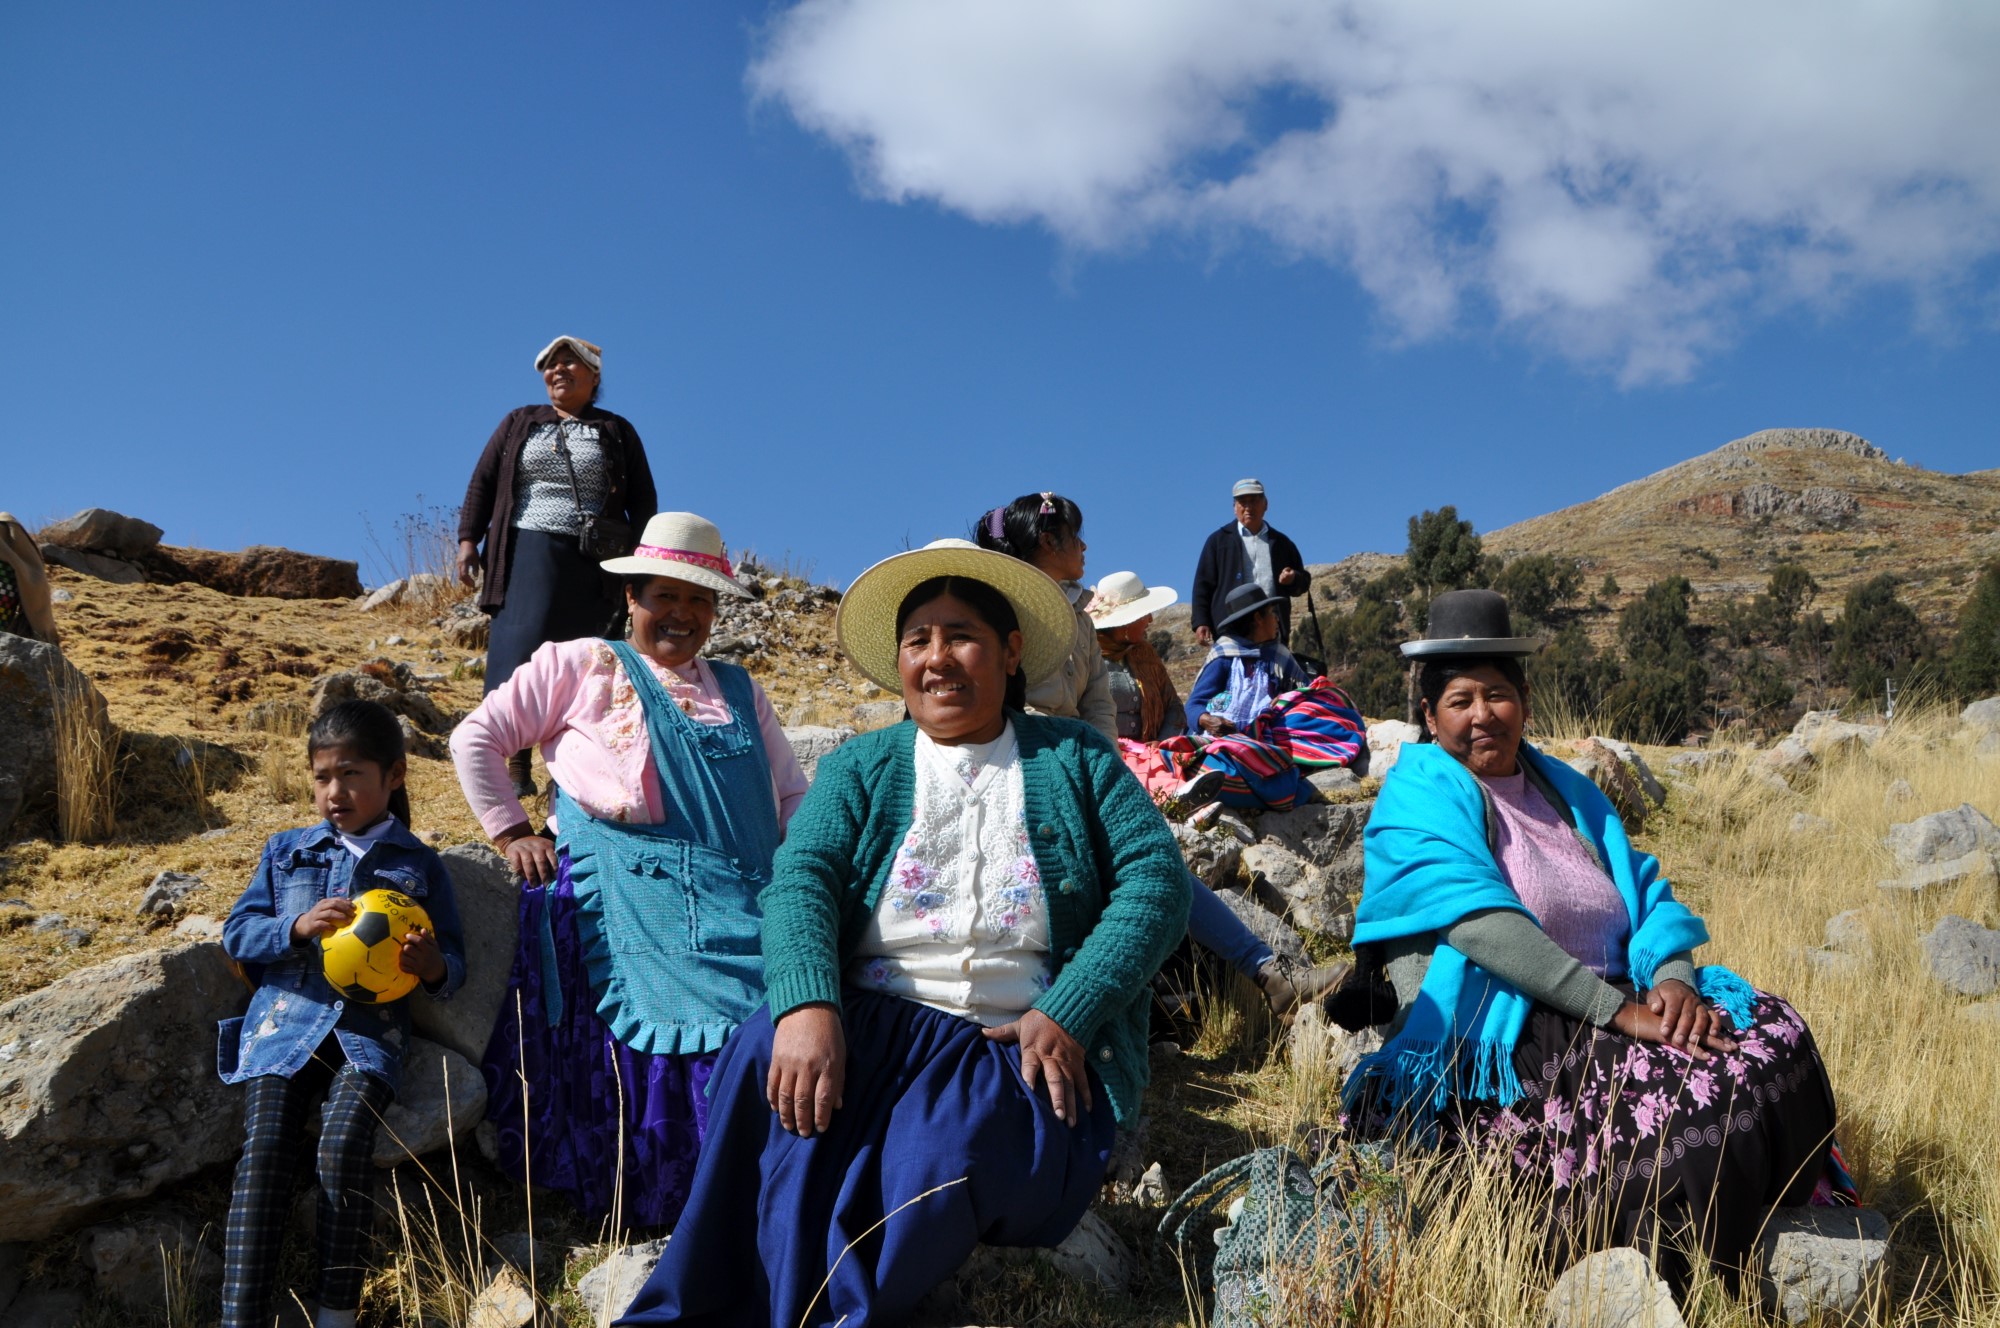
x: 1610, y: 589
x: 1569, y: 676
x: 1811, y: 642
x: 1974, y: 670
x: 1362, y: 645
x: 1665, y: 681
x: 1791, y: 591
x: 1763, y: 685
x: 1878, y: 637
x: 1444, y: 552
x: 1531, y: 585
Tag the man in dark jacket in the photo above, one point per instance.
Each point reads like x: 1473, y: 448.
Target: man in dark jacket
x: 1246, y: 550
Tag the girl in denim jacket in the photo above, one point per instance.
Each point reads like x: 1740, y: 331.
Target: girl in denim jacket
x: 300, y: 1040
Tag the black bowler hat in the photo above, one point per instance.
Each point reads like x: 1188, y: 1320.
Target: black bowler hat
x: 1469, y: 622
x: 1243, y: 601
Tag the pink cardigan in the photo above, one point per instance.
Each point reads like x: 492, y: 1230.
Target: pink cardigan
x: 573, y: 700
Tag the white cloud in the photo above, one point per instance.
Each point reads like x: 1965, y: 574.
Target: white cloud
x: 1622, y: 181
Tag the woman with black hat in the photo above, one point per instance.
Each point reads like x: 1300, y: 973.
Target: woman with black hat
x: 1246, y: 669
x: 1545, y: 997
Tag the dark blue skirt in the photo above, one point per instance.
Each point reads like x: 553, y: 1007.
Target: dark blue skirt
x: 554, y: 593
x: 928, y: 1101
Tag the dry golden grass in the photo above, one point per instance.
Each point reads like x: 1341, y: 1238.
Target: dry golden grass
x: 86, y: 761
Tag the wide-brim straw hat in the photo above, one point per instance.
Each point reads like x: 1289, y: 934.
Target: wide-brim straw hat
x: 591, y: 353
x: 1469, y: 622
x: 866, y: 624
x: 1123, y: 598
x: 685, y: 547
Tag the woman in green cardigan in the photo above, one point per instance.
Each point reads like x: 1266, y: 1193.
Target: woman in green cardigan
x: 958, y: 934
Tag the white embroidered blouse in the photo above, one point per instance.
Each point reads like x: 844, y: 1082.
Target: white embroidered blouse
x: 962, y: 925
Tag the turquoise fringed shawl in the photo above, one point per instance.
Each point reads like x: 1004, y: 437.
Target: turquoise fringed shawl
x: 1429, y: 864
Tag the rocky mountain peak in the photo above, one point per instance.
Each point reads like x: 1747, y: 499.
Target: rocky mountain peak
x: 1806, y: 440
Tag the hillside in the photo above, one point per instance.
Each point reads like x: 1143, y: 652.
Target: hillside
x: 1825, y: 499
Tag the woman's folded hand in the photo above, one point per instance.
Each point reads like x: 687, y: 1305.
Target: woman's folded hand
x: 1051, y: 1056
x: 532, y: 856
x: 1674, y: 1015
x: 808, y: 1069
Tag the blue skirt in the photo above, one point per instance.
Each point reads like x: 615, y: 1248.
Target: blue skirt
x: 928, y: 1101
x: 554, y: 593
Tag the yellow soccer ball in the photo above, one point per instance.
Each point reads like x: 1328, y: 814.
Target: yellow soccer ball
x: 360, y: 958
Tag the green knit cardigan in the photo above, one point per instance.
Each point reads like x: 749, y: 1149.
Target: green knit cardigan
x: 1116, y: 886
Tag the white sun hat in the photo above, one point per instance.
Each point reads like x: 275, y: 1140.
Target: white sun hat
x: 866, y: 624
x: 590, y: 352
x: 1123, y: 598
x: 683, y: 546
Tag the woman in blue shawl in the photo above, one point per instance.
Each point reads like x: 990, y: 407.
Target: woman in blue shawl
x: 1545, y: 998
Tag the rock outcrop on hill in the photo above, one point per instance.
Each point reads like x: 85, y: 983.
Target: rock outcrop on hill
x: 35, y: 679
x: 126, y: 550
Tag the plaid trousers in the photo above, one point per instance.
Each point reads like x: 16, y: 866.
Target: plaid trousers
x: 259, y: 1207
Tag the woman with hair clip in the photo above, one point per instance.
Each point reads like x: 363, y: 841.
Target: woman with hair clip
x: 1045, y: 530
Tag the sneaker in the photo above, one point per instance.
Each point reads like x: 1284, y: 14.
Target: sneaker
x: 1199, y: 790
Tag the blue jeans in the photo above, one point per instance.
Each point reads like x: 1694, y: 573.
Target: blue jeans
x: 1214, y: 928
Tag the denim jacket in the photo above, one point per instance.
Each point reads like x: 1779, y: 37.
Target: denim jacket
x: 294, y: 1007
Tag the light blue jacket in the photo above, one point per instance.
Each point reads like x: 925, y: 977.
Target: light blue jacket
x: 294, y: 1007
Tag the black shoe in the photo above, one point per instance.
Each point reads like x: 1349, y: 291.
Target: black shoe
x: 1199, y: 791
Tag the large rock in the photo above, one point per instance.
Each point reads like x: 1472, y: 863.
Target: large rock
x: 1963, y: 955
x: 442, y: 1096
x: 136, y: 1258
x: 1826, y: 735
x: 1385, y: 743
x: 1612, y: 1289
x: 102, y: 530
x: 1326, y: 835
x: 1790, y: 757
x: 1819, y: 1263
x: 108, y: 1088
x: 1211, y: 857
x: 1982, y: 716
x: 1297, y: 890
x: 608, y: 1288
x: 258, y: 570
x: 1597, y: 763
x: 1942, y: 836
x: 812, y: 741
x: 1974, y: 869
x: 488, y: 896
x: 420, y: 590
x: 34, y: 676
x: 100, y: 565
x: 392, y: 684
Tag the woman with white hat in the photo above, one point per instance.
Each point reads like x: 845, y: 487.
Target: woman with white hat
x: 957, y: 938
x: 639, y: 950
x: 559, y: 488
x: 1142, y: 695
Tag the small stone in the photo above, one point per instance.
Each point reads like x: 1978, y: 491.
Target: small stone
x: 1211, y: 857
x: 1820, y: 1262
x: 1898, y: 793
x: 608, y: 1288
x: 1093, y: 1253
x: 520, y: 1250
x: 395, y: 639
x: 870, y: 715
x: 166, y: 892
x: 61, y: 596
x: 1612, y: 1289
x: 1963, y: 955
x: 1974, y: 869
x: 1788, y: 758
x: 1835, y: 963
x: 198, y: 927
x: 486, y: 1138
x: 222, y: 833
x: 1334, y: 779
x: 1826, y: 735
x: 1324, y: 1049
x: 505, y: 1302
x: 1236, y: 826
x: 1805, y: 823
x: 1849, y: 931
x: 50, y: 922
x: 1655, y: 792
x: 1152, y: 1191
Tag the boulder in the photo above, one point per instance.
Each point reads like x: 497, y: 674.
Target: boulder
x: 504, y: 1302
x: 33, y: 677
x: 488, y: 895
x: 166, y: 892
x: 442, y: 1096
x: 391, y: 684
x: 1385, y: 743
x: 108, y: 1088
x: 261, y: 570
x: 465, y: 625
x: 1266, y: 926
x: 1614, y: 1288
x: 1656, y: 792
x: 1297, y: 890
x: 607, y: 1289
x: 1973, y: 869
x: 1326, y: 835
x: 1211, y: 857
x: 871, y: 715
x: 1333, y: 779
x: 133, y: 1260
x: 1826, y: 735
x: 1819, y: 1263
x: 1963, y: 955
x: 1789, y: 758
x: 102, y: 566
x: 812, y: 741
x: 103, y: 531
x: 1602, y: 767
x: 1982, y: 716
x: 1942, y: 836
x: 1686, y: 765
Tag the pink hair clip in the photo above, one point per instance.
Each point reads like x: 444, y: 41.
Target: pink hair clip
x: 1048, y: 502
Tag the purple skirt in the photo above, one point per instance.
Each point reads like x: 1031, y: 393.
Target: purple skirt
x: 561, y: 1095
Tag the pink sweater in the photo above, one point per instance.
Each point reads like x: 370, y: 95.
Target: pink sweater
x: 573, y: 700
x: 1557, y: 878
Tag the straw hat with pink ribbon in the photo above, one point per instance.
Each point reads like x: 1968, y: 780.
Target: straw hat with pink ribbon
x: 683, y: 546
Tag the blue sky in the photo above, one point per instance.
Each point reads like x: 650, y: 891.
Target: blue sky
x: 273, y: 272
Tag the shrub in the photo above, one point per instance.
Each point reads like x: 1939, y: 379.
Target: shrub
x: 1877, y: 638
x: 1444, y: 552
x: 1974, y: 669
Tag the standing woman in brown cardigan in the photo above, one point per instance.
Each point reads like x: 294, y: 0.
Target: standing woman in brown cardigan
x: 546, y: 473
